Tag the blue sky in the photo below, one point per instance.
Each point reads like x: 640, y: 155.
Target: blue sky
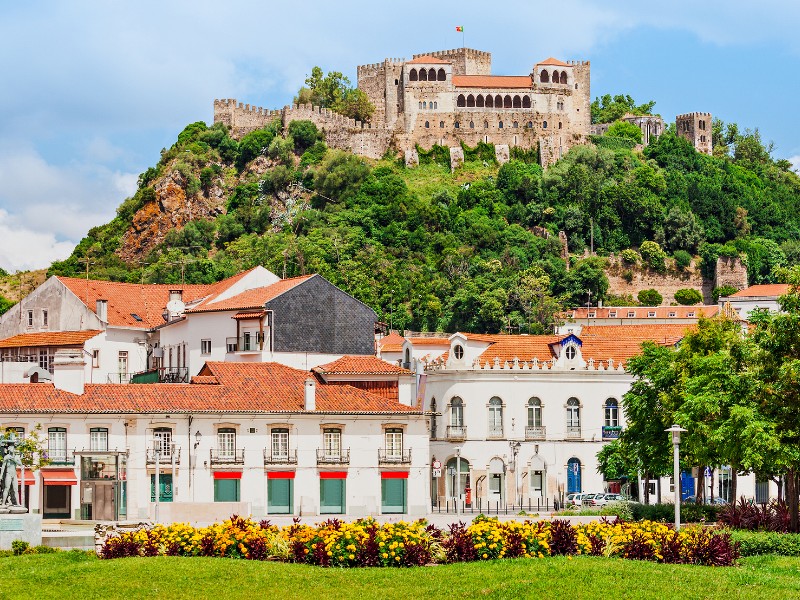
x: 93, y: 90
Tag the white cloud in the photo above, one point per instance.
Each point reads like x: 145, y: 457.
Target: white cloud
x: 24, y: 249
x: 795, y: 160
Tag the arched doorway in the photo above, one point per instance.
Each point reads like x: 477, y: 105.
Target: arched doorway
x: 573, y: 475
x: 457, y: 486
x: 497, y: 480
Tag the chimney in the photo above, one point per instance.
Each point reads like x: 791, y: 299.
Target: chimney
x: 102, y: 310
x: 310, y: 394
x: 176, y: 295
x: 68, y: 371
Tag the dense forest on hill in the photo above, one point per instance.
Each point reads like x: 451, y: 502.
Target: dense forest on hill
x: 474, y: 250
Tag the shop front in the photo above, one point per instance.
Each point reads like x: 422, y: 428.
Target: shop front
x: 103, y: 486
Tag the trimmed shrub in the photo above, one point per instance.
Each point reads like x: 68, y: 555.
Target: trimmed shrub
x: 650, y: 297
x: 722, y: 291
x: 754, y: 543
x: 688, y: 296
x: 630, y: 256
x: 682, y: 259
x: 653, y: 256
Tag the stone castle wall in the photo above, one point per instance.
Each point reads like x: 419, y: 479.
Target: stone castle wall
x: 730, y: 271
x: 696, y: 127
x: 466, y: 61
x: 666, y: 284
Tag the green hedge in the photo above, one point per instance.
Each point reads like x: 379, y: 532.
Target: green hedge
x: 690, y: 512
x: 753, y: 543
x: 612, y: 143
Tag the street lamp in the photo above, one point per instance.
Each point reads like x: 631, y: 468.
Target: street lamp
x: 676, y: 430
x: 514, y: 445
x: 458, y: 480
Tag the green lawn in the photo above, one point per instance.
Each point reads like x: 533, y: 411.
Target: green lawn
x: 71, y: 575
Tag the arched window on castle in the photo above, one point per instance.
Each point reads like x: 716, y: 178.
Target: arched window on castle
x: 544, y: 124
x: 435, y: 105
x: 427, y: 125
x: 456, y: 125
x: 472, y: 124
x: 530, y: 125
x: 564, y: 77
x: 424, y: 105
x: 516, y: 125
x: 432, y: 75
x: 526, y: 102
x: 486, y: 124
x: 507, y: 102
x: 412, y: 75
x: 470, y: 101
x: 423, y: 75
x: 420, y: 105
x: 441, y: 75
x: 559, y: 124
x: 544, y: 76
x: 479, y: 101
x: 517, y: 102
x: 461, y: 101
x: 498, y: 101
x: 489, y: 102
x: 555, y: 77
x: 441, y: 124
x: 500, y: 125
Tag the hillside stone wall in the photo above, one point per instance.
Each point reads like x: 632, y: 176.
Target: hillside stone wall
x: 730, y: 271
x: 666, y: 284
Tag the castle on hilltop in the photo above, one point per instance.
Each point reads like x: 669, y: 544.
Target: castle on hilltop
x: 448, y: 97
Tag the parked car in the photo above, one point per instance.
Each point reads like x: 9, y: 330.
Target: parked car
x: 580, y: 499
x: 693, y: 500
x: 603, y: 499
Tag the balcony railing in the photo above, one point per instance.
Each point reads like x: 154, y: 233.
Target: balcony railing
x: 165, y: 457
x: 173, y: 374
x: 119, y: 378
x: 394, y: 457
x: 537, y: 432
x: 331, y: 457
x: 456, y: 432
x: 573, y: 432
x: 245, y: 343
x: 494, y: 433
x: 227, y: 457
x: 61, y: 457
x: 611, y: 432
x: 280, y: 458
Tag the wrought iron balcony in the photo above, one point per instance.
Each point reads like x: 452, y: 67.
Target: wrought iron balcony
x: 394, y: 457
x: 333, y: 457
x: 272, y: 457
x: 61, y: 457
x: 173, y: 375
x: 494, y: 433
x: 611, y: 432
x: 165, y: 457
x: 574, y: 432
x: 227, y: 457
x: 537, y: 432
x: 456, y: 432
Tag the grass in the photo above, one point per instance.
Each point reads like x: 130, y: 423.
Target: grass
x: 77, y: 575
x: 426, y: 180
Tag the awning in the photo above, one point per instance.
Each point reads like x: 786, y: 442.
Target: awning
x: 59, y: 477
x: 280, y: 474
x: 29, y: 478
x: 227, y: 474
x: 250, y: 314
x: 333, y: 475
x: 394, y: 474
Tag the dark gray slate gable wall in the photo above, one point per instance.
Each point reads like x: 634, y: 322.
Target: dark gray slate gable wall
x: 316, y: 316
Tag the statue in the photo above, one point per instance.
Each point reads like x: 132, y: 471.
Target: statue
x: 9, y: 482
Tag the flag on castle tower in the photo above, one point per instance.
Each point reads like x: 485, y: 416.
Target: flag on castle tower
x: 460, y: 28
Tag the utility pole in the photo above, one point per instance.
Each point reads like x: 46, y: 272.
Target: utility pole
x: 157, y: 478
x: 86, y: 261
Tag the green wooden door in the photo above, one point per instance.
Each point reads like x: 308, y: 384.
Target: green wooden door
x: 226, y: 490
x: 279, y: 496
x: 393, y: 496
x: 331, y: 496
x: 164, y: 488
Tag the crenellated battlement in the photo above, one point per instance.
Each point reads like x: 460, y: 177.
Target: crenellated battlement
x: 579, y: 63
x: 470, y: 52
x: 694, y: 115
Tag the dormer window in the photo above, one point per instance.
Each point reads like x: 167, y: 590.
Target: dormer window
x: 690, y: 315
x: 651, y: 313
x: 612, y: 314
x: 592, y: 315
x: 571, y: 352
x: 458, y: 351
x: 631, y: 314
x: 672, y: 314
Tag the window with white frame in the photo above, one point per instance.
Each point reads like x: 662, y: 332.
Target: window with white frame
x: 205, y: 347
x: 44, y: 318
x: 162, y: 441
x: 457, y: 412
x: 122, y: 361
x: 57, y: 443
x: 226, y: 442
x: 394, y: 442
x: 98, y: 439
x: 95, y: 359
x: 573, y: 412
x: 30, y: 318
x: 495, y: 417
x: 612, y: 413
x: 19, y: 432
x: 280, y: 443
x: 534, y: 412
x: 332, y: 442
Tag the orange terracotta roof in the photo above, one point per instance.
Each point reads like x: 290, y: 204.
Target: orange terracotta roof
x: 215, y: 289
x: 668, y: 333
x: 764, y: 290
x: 360, y: 365
x: 493, y: 81
x: 523, y: 347
x: 49, y: 338
x: 391, y: 343
x: 250, y: 299
x: 429, y: 341
x: 220, y: 388
x: 554, y: 62
x: 427, y: 60
x: 127, y: 299
x: 642, y: 312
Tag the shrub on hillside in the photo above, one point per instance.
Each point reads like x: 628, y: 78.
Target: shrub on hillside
x: 653, y: 256
x: 682, y: 259
x: 304, y: 133
x: 629, y: 256
x: 650, y: 297
x: 688, y: 296
x: 722, y: 291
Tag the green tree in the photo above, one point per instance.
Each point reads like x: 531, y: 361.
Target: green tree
x: 682, y: 230
x: 587, y: 276
x: 607, y: 109
x: 356, y: 105
x: 539, y: 307
x: 304, y: 133
x: 613, y: 463
x: 626, y: 130
x: 650, y: 297
x: 653, y: 256
x: 688, y: 296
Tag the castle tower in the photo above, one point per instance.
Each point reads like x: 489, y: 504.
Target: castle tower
x: 696, y: 127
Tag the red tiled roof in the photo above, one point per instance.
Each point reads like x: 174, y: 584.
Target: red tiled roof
x: 764, y: 290
x: 253, y: 314
x: 250, y: 299
x: 642, y: 312
x: 523, y: 347
x: 493, y: 81
x: 391, y: 343
x: 241, y: 388
x: 427, y: 60
x: 553, y: 61
x: 126, y: 299
x: 429, y: 341
x: 49, y: 338
x: 360, y: 365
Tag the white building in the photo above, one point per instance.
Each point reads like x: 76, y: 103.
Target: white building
x: 755, y: 297
x: 246, y: 438
x: 580, y: 317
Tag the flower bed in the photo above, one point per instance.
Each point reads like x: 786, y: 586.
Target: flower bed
x: 366, y: 543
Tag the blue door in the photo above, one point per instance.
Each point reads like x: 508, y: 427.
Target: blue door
x: 687, y: 485
x: 573, y: 475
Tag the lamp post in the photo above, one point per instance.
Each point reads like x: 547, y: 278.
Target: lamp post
x: 458, y: 480
x: 514, y: 445
x: 676, y: 430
